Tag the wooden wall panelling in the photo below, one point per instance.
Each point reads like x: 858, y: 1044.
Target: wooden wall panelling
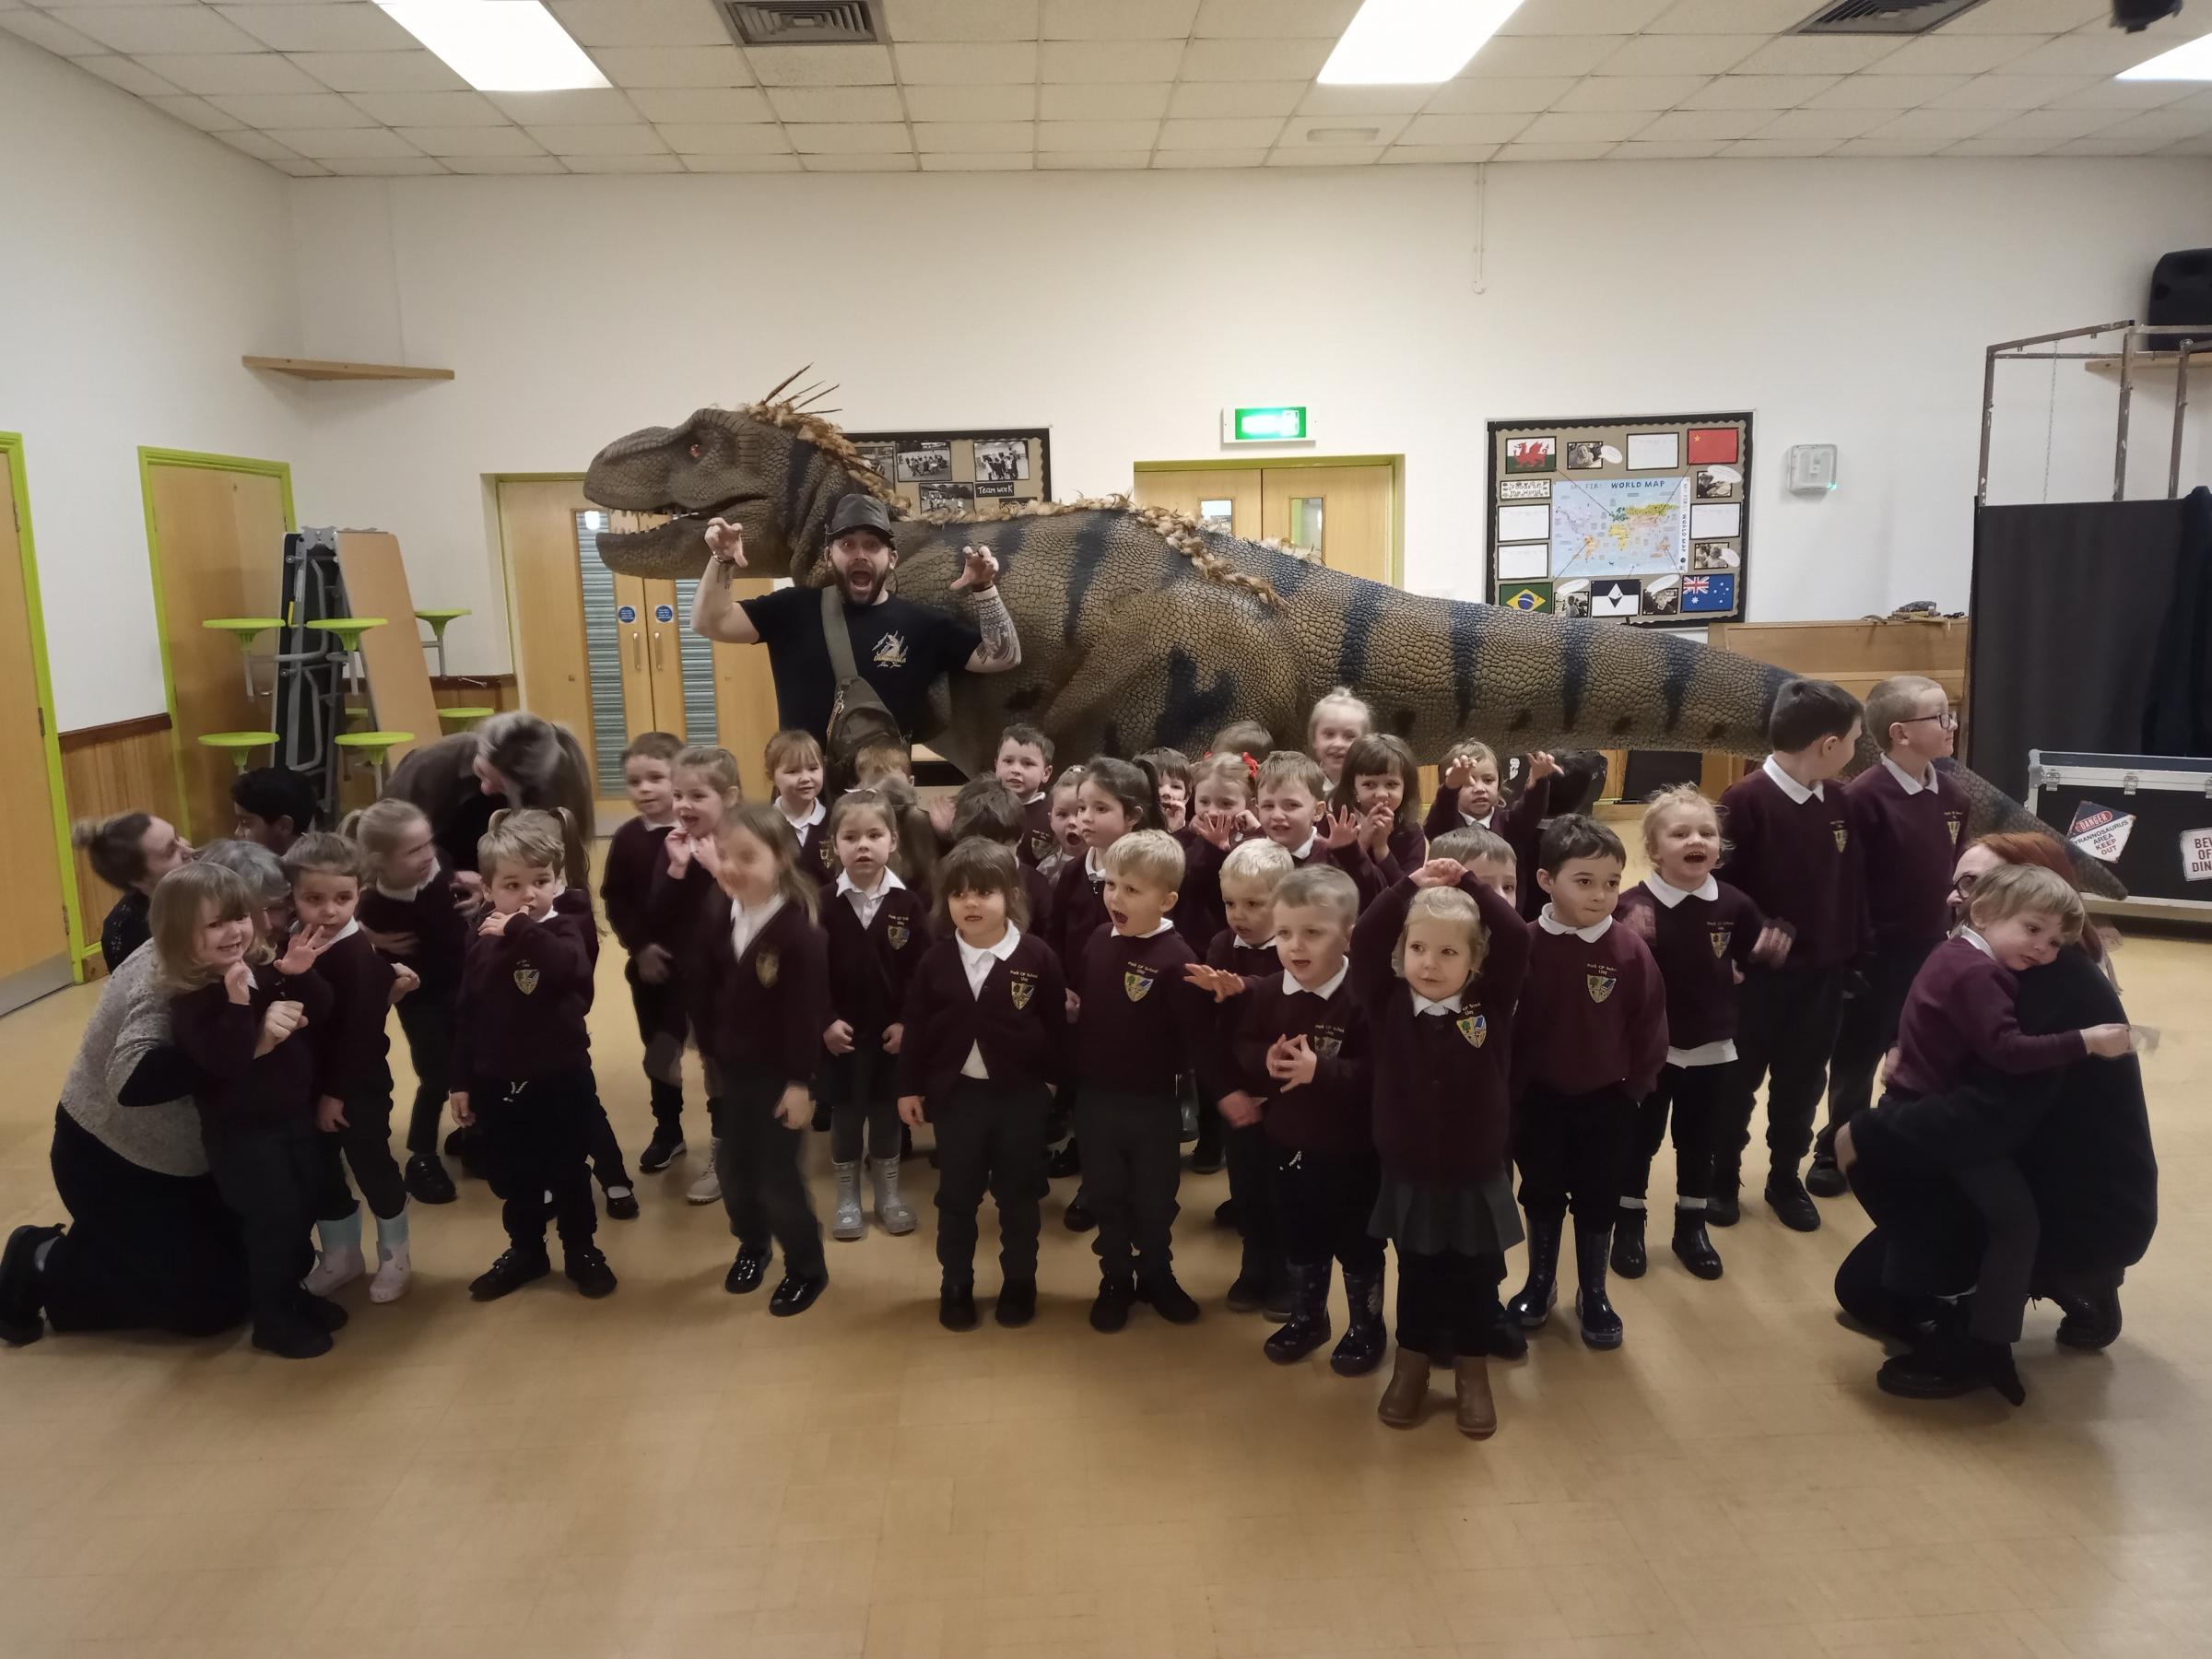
x: 745, y: 701
x: 127, y: 767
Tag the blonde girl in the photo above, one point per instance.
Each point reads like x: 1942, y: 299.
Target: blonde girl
x: 704, y: 785
x: 1338, y: 721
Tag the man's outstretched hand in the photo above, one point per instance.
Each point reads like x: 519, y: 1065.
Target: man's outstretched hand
x: 978, y: 568
x: 725, y: 541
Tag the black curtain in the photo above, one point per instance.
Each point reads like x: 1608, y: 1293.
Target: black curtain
x: 2092, y: 632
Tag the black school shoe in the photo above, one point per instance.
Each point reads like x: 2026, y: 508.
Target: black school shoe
x: 1116, y: 1295
x: 292, y: 1340
x: 956, y: 1307
x: 666, y: 1146
x: 746, y: 1272
x: 1016, y: 1304
x: 1693, y: 1247
x: 1628, y: 1260
x: 2091, y: 1323
x: 1508, y: 1340
x: 1066, y: 1159
x: 319, y: 1313
x: 427, y: 1180
x: 1169, y: 1299
x: 1792, y: 1204
x: 798, y: 1293
x: 1950, y: 1365
x: 1078, y: 1217
x: 1724, y: 1208
x: 1824, y: 1180
x: 20, y: 1298
x: 515, y: 1269
x: 588, y: 1271
x: 621, y: 1203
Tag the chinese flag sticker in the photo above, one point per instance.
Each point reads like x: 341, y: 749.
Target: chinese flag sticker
x: 1712, y: 446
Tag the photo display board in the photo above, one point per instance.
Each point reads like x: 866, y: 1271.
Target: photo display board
x: 1640, y: 520
x: 930, y: 470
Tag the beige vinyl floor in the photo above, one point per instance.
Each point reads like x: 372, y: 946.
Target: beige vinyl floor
x: 672, y: 1472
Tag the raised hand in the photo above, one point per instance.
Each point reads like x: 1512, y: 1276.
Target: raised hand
x: 1220, y: 828
x: 1338, y: 828
x: 1221, y: 984
x: 1375, y: 827
x: 494, y: 926
x: 1541, y: 766
x: 1460, y: 774
x: 238, y: 982
x: 279, y: 1020
x: 1440, y: 872
x: 303, y: 948
x: 978, y: 570
x: 680, y: 849
x: 725, y: 541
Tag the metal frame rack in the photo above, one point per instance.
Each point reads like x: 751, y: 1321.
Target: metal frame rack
x: 2166, y: 343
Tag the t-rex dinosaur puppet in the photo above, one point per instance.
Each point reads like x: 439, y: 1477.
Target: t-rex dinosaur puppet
x: 1141, y: 627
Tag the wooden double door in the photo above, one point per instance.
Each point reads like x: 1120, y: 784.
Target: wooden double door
x: 1339, y: 515
x: 614, y: 657
x: 34, y: 923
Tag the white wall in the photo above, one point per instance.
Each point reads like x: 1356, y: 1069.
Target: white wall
x: 140, y: 259
x: 1845, y: 302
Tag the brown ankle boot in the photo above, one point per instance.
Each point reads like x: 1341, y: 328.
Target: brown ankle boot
x: 1477, y: 1416
x: 1407, y: 1392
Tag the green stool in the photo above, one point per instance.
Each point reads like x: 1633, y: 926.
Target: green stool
x: 239, y: 746
x: 439, y: 620
x: 350, y: 630
x: 373, y: 747
x: 460, y: 720
x: 244, y: 630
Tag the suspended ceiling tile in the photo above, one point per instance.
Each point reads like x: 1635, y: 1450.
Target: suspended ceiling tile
x: 861, y: 163
x: 478, y: 141
x: 300, y: 167
x: 1959, y: 54
x: 133, y: 79
x: 1318, y: 99
x: 1831, y: 124
x: 1543, y: 55
x: 1228, y: 134
x: 1630, y: 92
x: 1109, y: 60
x: 588, y: 106
x: 641, y: 22
x: 725, y: 138
x: 430, y: 109
x: 1253, y: 60
x: 2105, y: 52
x: 1327, y: 154
x: 1758, y: 91
x: 383, y: 166
x: 1583, y: 16
x: 204, y: 73
x: 324, y: 27
x: 978, y: 162
x: 784, y: 161
x: 1437, y: 155
x: 141, y: 29
x: 2126, y: 95
x: 1885, y: 91
x: 1553, y: 152
x: 1939, y: 123
x: 1780, y: 149
x: 271, y: 111
x: 2054, y: 126
x: 537, y: 163
x: 1122, y: 20
x: 563, y: 140
x: 196, y: 112
x: 672, y: 66
x: 821, y: 65
x: 970, y: 103
x: 1464, y: 129
x: 963, y: 20
x: 328, y: 144
x: 1696, y: 125
x: 1121, y: 101
x: 1504, y: 94
x: 2011, y: 91
x: 2030, y: 17
x: 1191, y: 160
x: 1732, y: 16
x: 1888, y: 148
x: 415, y: 71
x: 1589, y: 126
x: 796, y: 104
x: 1814, y: 55
x: 974, y: 137
x: 849, y: 138
x: 1666, y: 149
x: 1276, y: 19
x: 1093, y: 160
x: 1317, y: 131
x: 1990, y: 143
x: 654, y: 163
x: 968, y: 64
x: 1096, y: 134
x: 1680, y: 54
x: 260, y: 145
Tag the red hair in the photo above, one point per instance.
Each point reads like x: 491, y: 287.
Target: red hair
x: 2032, y: 847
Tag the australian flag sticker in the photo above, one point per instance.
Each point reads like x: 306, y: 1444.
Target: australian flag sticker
x: 1712, y: 591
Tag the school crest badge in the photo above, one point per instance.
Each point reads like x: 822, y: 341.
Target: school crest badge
x: 1843, y: 833
x: 825, y: 854
x: 1040, y: 844
x: 1137, y: 982
x: 767, y: 968
x: 1474, y: 1028
x: 1021, y: 986
x: 890, y: 651
x: 1601, y: 982
x: 1954, y: 822
x: 1327, y: 1042
x: 1718, y: 935
x: 526, y: 979
x: 896, y: 931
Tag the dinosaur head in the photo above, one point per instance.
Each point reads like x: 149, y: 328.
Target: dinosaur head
x: 770, y: 467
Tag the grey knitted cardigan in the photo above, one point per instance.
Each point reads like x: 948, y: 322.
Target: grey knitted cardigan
x: 130, y: 1023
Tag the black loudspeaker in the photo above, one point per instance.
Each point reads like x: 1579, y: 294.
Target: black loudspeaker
x: 2181, y: 289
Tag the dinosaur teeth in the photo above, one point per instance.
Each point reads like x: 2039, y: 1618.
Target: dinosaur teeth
x: 633, y: 523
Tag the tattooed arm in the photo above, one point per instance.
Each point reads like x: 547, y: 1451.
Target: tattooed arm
x: 1000, y: 648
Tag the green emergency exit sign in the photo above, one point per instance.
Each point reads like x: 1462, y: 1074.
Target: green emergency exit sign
x: 1265, y: 423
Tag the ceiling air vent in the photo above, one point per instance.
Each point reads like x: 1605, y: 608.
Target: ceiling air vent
x: 801, y: 22
x: 1884, y: 17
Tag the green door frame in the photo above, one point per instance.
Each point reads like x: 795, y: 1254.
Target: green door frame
x: 149, y: 458
x: 11, y: 447
x: 1271, y: 463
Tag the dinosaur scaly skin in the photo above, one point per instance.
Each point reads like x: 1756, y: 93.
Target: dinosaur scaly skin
x: 1140, y: 628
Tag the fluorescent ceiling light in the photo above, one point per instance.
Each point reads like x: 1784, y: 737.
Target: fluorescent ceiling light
x: 2192, y: 61
x: 498, y: 45
x: 1412, y: 42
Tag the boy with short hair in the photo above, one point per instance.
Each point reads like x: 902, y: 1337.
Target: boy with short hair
x: 1140, y: 1025
x: 640, y: 848
x: 274, y: 806
x: 1485, y: 856
x: 1250, y: 877
x: 989, y: 810
x: 1024, y: 764
x: 1906, y: 823
x: 1789, y: 849
x: 1588, y: 1045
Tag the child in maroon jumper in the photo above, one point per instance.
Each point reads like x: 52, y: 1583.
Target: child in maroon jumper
x: 1024, y: 764
x: 986, y: 1022
x: 1338, y: 721
x: 252, y: 1029
x: 704, y: 782
x: 987, y: 809
x: 1221, y: 821
x: 1702, y: 933
x: 1064, y: 821
x: 1468, y: 797
x: 523, y: 1053
x: 1590, y: 1041
x: 1437, y: 965
x: 1172, y: 768
x: 1298, y: 1050
x: 1139, y: 1026
x: 638, y: 850
x: 1906, y: 824
x: 1382, y: 789
x: 796, y: 770
x: 767, y: 979
x: 1789, y: 851
x: 413, y: 914
x: 878, y: 931
x: 354, y: 1110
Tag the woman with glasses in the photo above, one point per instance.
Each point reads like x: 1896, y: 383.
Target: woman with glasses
x: 2080, y: 1135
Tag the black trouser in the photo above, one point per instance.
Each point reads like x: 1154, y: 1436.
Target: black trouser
x: 1447, y: 1303
x: 606, y: 1150
x: 269, y: 1177
x: 1696, y: 1099
x: 537, y: 1138
x: 1323, y: 1202
x: 990, y: 1138
x: 1865, y: 1030
x: 429, y: 1023
x: 2000, y: 1194
x: 1570, y: 1150
x: 366, y: 1145
x: 144, y: 1251
x: 662, y: 1028
x: 1785, y: 1031
x: 1132, y: 1164
x: 757, y: 1160
x: 1251, y: 1161
x: 862, y: 1089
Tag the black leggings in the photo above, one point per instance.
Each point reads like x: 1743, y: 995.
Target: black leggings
x: 429, y: 1024
x: 269, y: 1179
x: 1323, y: 1202
x: 1697, y: 1097
x: 366, y: 1145
x: 861, y: 1089
x: 757, y: 1159
x: 1570, y: 1149
x: 1447, y: 1303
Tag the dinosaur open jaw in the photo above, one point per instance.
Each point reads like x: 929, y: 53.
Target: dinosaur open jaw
x: 672, y: 526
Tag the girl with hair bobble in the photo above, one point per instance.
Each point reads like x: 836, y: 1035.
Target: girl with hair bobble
x: 131, y: 852
x: 1438, y: 962
x: 1381, y: 789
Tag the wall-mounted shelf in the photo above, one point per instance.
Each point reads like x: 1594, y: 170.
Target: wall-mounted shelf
x: 318, y: 369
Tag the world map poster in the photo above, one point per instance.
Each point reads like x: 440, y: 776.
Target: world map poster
x: 1619, y: 526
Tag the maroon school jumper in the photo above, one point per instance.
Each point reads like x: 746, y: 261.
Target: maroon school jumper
x: 355, y: 1052
x: 1328, y: 1115
x: 816, y: 853
x: 1907, y: 843
x: 243, y: 1094
x: 1592, y: 1015
x: 1697, y: 944
x: 870, y: 967
x: 440, y: 930
x: 1440, y: 1102
x: 1795, y: 862
x: 1518, y: 822
x: 1198, y: 914
x: 1020, y: 1021
x: 1960, y: 1011
x: 1037, y: 888
x: 1036, y: 842
x: 637, y: 850
x: 770, y: 1004
x: 684, y: 914
x: 1078, y: 911
x: 1142, y: 1023
x: 524, y: 994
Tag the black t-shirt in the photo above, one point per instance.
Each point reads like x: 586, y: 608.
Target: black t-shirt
x: 899, y: 647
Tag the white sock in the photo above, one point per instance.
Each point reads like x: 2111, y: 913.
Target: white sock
x: 1691, y: 1204
x: 1634, y: 1204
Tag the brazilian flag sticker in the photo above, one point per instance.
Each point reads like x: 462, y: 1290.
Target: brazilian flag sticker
x: 1529, y: 596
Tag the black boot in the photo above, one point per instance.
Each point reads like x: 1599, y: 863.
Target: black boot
x: 1308, y: 1326
x: 1366, y: 1339
x: 1950, y: 1365
x: 1724, y: 1208
x: 21, y: 1300
x: 667, y: 1143
x: 1692, y: 1244
x: 1628, y: 1242
x: 1508, y: 1340
x: 1249, y: 1291
x: 1275, y: 1307
x: 1792, y: 1204
x: 1533, y: 1306
x: 427, y: 1180
x: 2092, y: 1322
x: 1824, y: 1180
x: 1065, y: 1161
x: 1601, y: 1325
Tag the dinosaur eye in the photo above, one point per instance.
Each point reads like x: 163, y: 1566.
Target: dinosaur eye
x: 695, y: 452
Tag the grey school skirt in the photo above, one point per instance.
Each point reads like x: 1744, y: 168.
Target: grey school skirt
x: 1477, y: 1219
